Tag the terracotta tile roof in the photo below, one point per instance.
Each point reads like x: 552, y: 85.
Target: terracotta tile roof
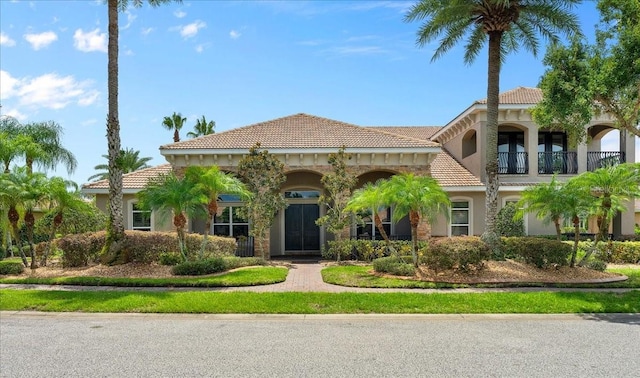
x: 301, y: 131
x: 418, y: 132
x: 133, y: 180
x: 449, y: 172
x: 519, y: 96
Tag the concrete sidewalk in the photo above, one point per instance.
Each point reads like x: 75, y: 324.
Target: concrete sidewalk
x: 303, y: 277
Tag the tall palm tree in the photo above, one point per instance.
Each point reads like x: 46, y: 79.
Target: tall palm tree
x: 62, y: 195
x: 212, y: 183
x: 115, y: 225
x: 50, y: 151
x: 419, y: 197
x: 508, y: 25
x: 129, y: 162
x: 175, y: 123
x: 202, y: 127
x: 179, y: 196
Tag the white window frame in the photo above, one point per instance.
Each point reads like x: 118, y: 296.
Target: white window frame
x: 232, y: 205
x: 372, y: 224
x: 469, y: 201
x: 130, y: 211
x: 525, y: 216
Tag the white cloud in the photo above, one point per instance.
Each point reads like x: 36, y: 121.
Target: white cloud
x: 234, y: 34
x: 90, y: 41
x: 41, y: 40
x: 15, y: 113
x: 201, y: 47
x: 5, y: 40
x: 48, y: 91
x: 128, y: 52
x: 8, y: 85
x: 147, y: 31
x: 130, y: 18
x: 179, y: 13
x: 192, y: 29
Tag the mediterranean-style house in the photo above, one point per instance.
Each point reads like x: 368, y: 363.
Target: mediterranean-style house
x: 452, y: 154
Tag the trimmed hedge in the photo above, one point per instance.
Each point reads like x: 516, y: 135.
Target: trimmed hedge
x: 11, y: 267
x: 139, y: 246
x: 460, y: 253
x: 367, y: 250
x: 615, y: 252
x: 540, y: 252
x: 200, y: 267
x: 393, y: 265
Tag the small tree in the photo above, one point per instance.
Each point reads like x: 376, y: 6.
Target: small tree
x: 212, y: 183
x: 418, y: 197
x: 339, y: 184
x: 263, y: 175
x: 547, y: 201
x: 180, y: 196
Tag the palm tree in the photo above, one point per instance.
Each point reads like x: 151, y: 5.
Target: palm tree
x: 115, y: 228
x: 202, y: 127
x: 611, y: 189
x: 212, y: 183
x: 34, y: 193
x: 578, y: 203
x: 180, y: 196
x: 61, y: 199
x: 508, y: 24
x: 175, y: 123
x: 50, y: 151
x: 418, y: 197
x: 129, y: 162
x: 547, y: 201
x: 369, y: 199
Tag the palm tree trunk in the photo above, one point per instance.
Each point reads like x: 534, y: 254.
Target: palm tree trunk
x: 29, y: 221
x: 576, y: 240
x: 492, y: 183
x: 179, y: 221
x: 556, y: 223
x: 603, y: 230
x: 212, y: 210
x: 14, y: 217
x: 176, y: 136
x: 414, y: 219
x: 57, y: 220
x: 115, y: 227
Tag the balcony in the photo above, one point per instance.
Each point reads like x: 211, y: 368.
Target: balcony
x: 602, y: 159
x: 562, y: 162
x: 513, y: 163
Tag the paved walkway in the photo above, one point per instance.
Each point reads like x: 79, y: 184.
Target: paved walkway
x: 302, y: 277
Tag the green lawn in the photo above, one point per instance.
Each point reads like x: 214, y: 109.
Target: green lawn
x: 319, y: 303
x: 358, y: 276
x: 262, y: 275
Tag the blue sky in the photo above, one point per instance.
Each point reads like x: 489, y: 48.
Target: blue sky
x: 236, y: 63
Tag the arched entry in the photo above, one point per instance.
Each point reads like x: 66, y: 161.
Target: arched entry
x: 301, y: 233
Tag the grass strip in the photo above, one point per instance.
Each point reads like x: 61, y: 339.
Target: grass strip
x: 320, y: 303
x: 263, y: 275
x: 359, y: 276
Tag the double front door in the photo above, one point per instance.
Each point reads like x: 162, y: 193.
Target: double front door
x: 301, y: 234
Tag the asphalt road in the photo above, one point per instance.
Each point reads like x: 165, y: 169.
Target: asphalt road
x: 112, y: 345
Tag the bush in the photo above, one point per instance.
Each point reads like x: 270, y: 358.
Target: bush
x: 11, y: 267
x: 80, y: 249
x: 598, y: 265
x: 624, y: 253
x: 73, y: 222
x: 461, y: 253
x: 200, y: 267
x: 393, y: 265
x: 232, y: 262
x: 169, y: 258
x: 506, y: 225
x: 538, y: 251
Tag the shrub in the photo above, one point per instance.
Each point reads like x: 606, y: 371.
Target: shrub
x: 232, y: 262
x: 506, y: 225
x: 200, y: 267
x: 538, y: 251
x: 343, y: 247
x: 11, y: 267
x: 393, y: 265
x: 169, y: 258
x: 80, y: 249
x: 598, y: 265
x: 73, y: 222
x: 624, y: 253
x: 462, y: 253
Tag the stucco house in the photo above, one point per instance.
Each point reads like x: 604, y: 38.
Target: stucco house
x: 452, y: 154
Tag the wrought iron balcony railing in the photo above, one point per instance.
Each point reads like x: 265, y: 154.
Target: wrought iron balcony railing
x: 563, y: 162
x: 603, y: 159
x: 513, y: 163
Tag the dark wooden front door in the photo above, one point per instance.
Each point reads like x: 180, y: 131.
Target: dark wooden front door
x: 301, y: 234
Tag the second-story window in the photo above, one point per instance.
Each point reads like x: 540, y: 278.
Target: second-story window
x: 512, y: 158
